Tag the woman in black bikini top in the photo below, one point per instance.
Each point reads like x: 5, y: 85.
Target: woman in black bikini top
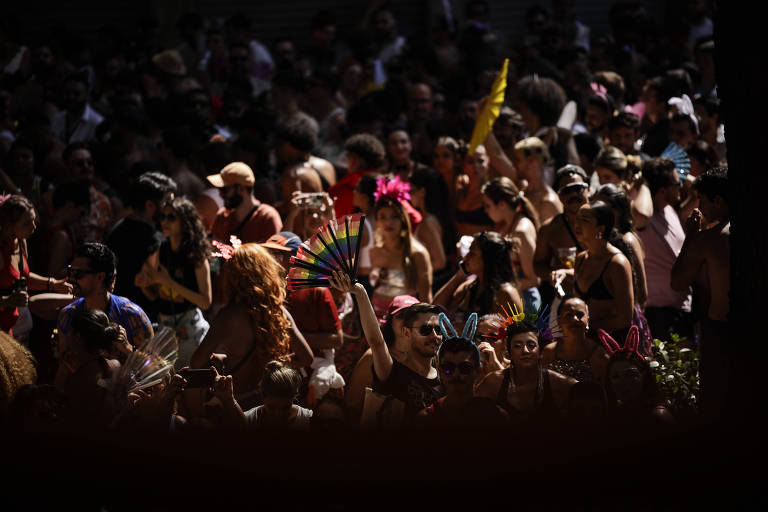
x: 610, y: 309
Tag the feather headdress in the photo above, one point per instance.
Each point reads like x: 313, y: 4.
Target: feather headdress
x: 394, y: 189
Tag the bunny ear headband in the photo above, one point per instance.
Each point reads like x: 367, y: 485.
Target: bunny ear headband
x: 510, y: 316
x: 225, y: 250
x: 684, y: 106
x: 599, y: 90
x: 468, y: 334
x: 631, y: 344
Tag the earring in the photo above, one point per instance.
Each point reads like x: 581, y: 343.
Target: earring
x: 599, y: 235
x: 403, y: 233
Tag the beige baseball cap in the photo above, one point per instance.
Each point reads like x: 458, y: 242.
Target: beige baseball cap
x: 171, y: 62
x: 236, y: 173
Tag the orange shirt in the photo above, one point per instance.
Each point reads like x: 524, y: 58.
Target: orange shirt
x: 263, y: 223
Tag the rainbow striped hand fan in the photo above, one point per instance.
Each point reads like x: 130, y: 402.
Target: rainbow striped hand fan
x: 335, y: 246
x: 677, y: 154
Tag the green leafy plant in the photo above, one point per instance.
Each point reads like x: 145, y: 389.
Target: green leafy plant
x: 676, y: 370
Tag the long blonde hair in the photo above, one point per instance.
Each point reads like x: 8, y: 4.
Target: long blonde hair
x: 253, y: 278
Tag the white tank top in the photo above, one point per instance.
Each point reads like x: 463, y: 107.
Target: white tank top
x: 365, y: 252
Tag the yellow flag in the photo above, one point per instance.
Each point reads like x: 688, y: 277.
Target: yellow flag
x: 490, y: 110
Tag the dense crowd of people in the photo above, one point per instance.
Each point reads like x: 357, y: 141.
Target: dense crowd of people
x: 150, y: 188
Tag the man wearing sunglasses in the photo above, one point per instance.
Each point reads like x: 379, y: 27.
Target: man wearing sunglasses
x: 571, y: 183
x: 414, y: 381
x: 459, y: 368
x: 92, y: 275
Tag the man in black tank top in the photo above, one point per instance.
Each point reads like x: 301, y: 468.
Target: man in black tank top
x: 414, y: 381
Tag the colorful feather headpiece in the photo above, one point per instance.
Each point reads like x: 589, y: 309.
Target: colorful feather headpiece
x: 511, y: 315
x: 225, y: 250
x: 393, y: 190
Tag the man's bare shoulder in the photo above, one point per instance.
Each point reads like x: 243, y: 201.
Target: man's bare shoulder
x: 551, y: 225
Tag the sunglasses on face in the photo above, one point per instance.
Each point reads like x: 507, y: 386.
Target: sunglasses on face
x: 427, y: 329
x: 573, y: 187
x: 171, y: 217
x: 464, y: 368
x: 78, y: 273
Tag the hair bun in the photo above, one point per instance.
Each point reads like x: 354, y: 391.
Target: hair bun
x: 111, y: 332
x: 511, y: 243
x: 273, y: 366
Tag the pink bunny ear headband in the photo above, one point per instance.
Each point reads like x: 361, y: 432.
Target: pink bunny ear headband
x: 599, y: 90
x: 631, y: 344
x: 225, y: 250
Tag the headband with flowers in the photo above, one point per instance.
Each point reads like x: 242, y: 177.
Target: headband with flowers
x: 225, y: 250
x: 393, y: 190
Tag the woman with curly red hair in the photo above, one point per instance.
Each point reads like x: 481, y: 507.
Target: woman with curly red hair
x: 254, y: 327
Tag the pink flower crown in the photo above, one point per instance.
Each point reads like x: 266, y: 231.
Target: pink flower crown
x: 225, y: 250
x: 394, y: 189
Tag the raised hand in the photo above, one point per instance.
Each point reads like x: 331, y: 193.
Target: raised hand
x: 341, y: 281
x: 61, y: 286
x: 222, y: 387
x: 121, y: 343
x: 694, y: 222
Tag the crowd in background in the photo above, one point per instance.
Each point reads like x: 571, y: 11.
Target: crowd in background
x: 599, y: 196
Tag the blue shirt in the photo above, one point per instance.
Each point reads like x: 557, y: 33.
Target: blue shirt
x: 120, y: 310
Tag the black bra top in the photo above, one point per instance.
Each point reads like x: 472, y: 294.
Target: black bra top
x: 597, y: 289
